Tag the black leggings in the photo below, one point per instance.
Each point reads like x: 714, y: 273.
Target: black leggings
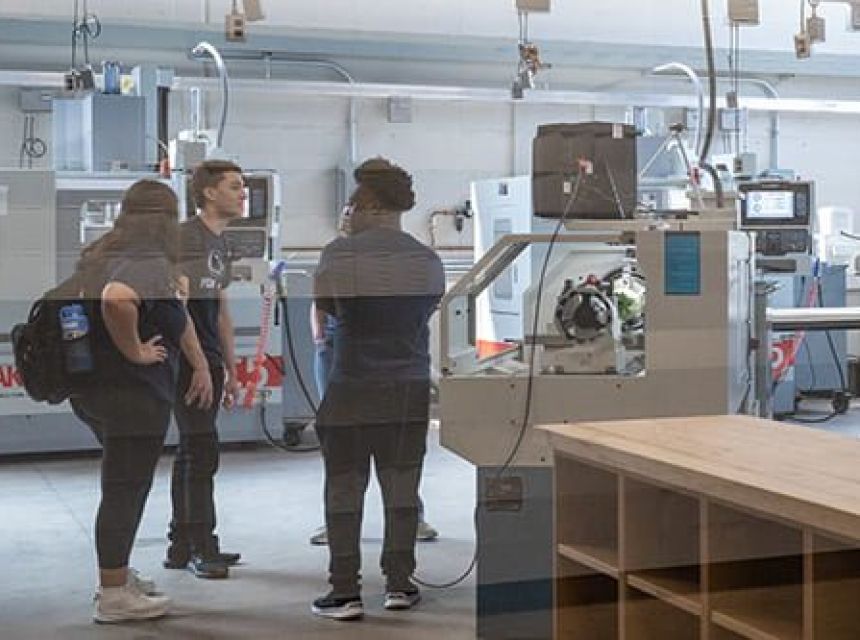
x: 130, y: 424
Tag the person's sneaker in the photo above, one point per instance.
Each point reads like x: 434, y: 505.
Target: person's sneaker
x: 319, y: 537
x: 229, y: 559
x: 208, y: 567
x: 144, y: 584
x: 126, y: 604
x: 338, y: 608
x: 178, y: 556
x: 214, y: 549
x: 425, y: 532
x: 402, y: 600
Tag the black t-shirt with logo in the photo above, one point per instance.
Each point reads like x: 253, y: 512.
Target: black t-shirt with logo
x: 205, y: 262
x: 160, y: 313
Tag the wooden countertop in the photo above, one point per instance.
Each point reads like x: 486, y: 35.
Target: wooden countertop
x: 795, y: 473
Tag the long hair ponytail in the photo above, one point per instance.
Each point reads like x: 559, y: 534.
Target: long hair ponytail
x: 148, y: 226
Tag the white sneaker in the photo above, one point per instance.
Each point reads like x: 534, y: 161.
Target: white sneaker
x: 127, y: 603
x: 320, y: 536
x: 425, y: 532
x: 401, y: 600
x: 144, y: 584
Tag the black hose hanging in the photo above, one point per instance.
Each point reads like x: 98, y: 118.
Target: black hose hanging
x: 712, y: 82
x: 712, y: 105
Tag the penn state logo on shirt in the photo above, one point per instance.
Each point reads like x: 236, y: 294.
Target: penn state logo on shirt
x: 217, y: 267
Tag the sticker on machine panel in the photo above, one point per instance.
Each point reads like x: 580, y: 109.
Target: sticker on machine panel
x: 14, y: 400
x: 683, y: 263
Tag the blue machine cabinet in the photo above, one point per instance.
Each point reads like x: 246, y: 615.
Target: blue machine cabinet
x: 815, y: 371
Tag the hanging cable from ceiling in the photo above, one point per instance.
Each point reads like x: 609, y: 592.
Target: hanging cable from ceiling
x: 712, y: 104
x: 86, y: 26
x: 530, y: 63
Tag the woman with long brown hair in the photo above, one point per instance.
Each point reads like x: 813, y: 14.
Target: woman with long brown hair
x: 138, y: 328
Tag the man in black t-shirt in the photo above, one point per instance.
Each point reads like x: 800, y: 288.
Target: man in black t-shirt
x: 219, y: 192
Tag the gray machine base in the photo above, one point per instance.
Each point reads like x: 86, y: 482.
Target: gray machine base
x: 515, y: 559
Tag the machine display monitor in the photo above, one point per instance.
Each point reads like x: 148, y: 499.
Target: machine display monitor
x: 770, y: 205
x: 776, y: 203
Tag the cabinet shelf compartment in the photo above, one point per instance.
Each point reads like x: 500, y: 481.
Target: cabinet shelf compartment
x: 718, y: 633
x: 662, y: 544
x: 649, y: 618
x: 586, y: 605
x: 587, y: 508
x: 836, y: 590
x: 756, y: 575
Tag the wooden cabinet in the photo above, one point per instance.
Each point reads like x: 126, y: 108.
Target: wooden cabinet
x: 713, y: 528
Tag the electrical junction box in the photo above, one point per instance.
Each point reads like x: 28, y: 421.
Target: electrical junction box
x: 234, y: 27
x: 36, y: 100
x: 816, y: 27
x: 253, y: 10
x: 744, y: 12
x: 400, y: 109
x: 533, y: 5
x: 732, y: 120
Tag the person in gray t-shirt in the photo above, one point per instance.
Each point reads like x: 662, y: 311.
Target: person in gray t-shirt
x: 323, y: 327
x: 382, y: 286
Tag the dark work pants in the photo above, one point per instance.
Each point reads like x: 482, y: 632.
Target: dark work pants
x: 323, y: 358
x: 398, y: 452
x: 192, y: 486
x: 130, y: 425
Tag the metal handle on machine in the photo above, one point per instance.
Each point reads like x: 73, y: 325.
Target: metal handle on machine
x: 780, y: 320
x: 813, y: 319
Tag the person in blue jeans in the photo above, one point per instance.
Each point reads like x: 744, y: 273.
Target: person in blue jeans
x: 322, y: 328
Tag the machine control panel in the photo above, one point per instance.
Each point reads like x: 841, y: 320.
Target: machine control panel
x: 779, y: 242
x: 781, y: 214
x: 776, y: 203
x: 247, y: 243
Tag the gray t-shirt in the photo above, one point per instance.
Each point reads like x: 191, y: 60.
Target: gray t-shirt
x: 382, y: 285
x: 205, y: 261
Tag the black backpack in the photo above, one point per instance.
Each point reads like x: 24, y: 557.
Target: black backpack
x: 40, y: 352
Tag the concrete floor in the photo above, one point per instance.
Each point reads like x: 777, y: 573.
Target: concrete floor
x: 269, y: 503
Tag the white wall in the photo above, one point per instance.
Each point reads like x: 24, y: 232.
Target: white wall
x: 448, y: 145
x: 445, y: 147
x: 658, y: 22
x: 12, y: 129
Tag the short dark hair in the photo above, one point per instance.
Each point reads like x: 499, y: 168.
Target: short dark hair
x: 391, y: 185
x: 208, y: 174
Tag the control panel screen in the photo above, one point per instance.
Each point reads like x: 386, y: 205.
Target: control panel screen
x: 256, y: 198
x: 776, y: 204
x: 770, y: 205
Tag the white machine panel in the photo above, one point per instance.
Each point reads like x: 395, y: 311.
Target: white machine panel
x: 503, y: 206
x: 27, y: 235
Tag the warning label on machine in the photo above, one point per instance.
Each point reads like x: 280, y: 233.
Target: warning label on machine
x: 14, y: 399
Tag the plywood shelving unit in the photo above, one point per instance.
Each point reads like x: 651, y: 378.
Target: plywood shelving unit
x: 714, y: 528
